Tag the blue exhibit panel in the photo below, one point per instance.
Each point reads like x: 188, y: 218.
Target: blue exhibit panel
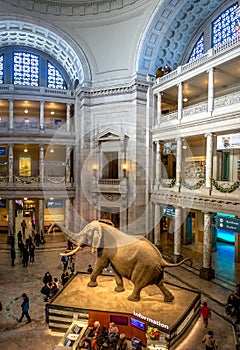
x: 226, y: 236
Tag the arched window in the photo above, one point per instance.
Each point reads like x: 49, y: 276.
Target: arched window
x: 30, y: 67
x: 25, y: 69
x: 198, y: 49
x: 1, y: 69
x: 55, y: 79
x: 224, y: 27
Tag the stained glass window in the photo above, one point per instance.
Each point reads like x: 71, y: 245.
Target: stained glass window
x: 198, y: 49
x: 55, y: 78
x: 25, y: 69
x: 1, y: 69
x: 224, y: 27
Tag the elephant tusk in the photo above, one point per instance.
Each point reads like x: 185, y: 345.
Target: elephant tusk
x: 94, y: 249
x: 71, y: 252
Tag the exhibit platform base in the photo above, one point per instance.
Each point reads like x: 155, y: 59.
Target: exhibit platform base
x: 78, y: 301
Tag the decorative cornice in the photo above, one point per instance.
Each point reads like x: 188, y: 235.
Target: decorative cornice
x: 72, y: 8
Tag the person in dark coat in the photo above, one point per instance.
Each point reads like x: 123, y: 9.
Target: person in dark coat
x: 32, y: 252
x: 47, y: 278
x: 25, y: 308
x: 25, y: 257
x: 13, y: 256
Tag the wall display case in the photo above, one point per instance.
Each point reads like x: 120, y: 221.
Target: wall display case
x: 72, y: 337
x: 194, y: 168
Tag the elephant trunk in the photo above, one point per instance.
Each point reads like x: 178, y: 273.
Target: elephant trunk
x: 166, y: 264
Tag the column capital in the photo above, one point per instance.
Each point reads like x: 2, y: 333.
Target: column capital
x: 208, y: 134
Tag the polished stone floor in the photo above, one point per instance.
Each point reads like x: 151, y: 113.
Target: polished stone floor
x: 15, y: 280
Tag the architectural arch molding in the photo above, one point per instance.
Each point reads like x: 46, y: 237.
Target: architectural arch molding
x: 41, y: 37
x: 170, y: 31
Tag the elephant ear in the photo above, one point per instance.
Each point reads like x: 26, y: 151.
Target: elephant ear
x: 97, y: 237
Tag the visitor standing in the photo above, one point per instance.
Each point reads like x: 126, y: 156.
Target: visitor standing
x: 25, y: 308
x: 13, y: 256
x: 24, y: 226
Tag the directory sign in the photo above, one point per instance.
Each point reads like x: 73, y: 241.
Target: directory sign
x: 228, y: 224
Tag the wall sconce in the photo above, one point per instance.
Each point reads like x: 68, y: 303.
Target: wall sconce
x: 124, y: 169
x: 184, y: 146
x: 25, y: 149
x: 26, y: 110
x: 51, y: 150
x: 52, y: 112
x: 185, y: 99
x: 94, y: 169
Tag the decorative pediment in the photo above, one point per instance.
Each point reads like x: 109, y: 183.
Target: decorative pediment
x: 110, y: 135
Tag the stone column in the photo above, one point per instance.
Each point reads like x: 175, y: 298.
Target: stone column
x: 206, y: 272
x: 210, y: 90
x: 41, y: 163
x: 180, y: 101
x: 10, y: 163
x: 11, y: 114
x: 209, y: 161
x: 68, y: 214
x: 68, y: 164
x: 41, y: 215
x: 158, y: 163
x: 68, y: 117
x: 10, y: 217
x: 159, y: 108
x: 177, y: 234
x: 41, y: 115
x: 179, y: 162
x: 157, y: 218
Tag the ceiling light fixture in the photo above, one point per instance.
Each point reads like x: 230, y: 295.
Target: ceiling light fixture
x: 185, y: 99
x: 52, y: 112
x: 51, y: 150
x: 26, y: 110
x: 25, y: 149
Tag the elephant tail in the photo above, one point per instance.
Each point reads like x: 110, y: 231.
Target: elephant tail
x: 167, y: 264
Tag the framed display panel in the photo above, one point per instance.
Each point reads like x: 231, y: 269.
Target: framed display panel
x: 25, y: 165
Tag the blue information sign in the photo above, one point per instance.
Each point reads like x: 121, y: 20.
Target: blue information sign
x: 168, y: 211
x: 57, y: 203
x: 3, y: 203
x: 228, y: 224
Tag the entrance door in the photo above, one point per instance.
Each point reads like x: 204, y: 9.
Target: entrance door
x: 111, y: 214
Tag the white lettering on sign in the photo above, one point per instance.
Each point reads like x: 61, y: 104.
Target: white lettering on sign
x: 145, y: 318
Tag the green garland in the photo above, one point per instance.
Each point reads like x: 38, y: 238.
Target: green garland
x: 196, y: 186
x: 26, y: 182
x: 222, y: 189
x: 171, y: 184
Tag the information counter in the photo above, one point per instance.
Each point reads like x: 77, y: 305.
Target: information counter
x: 72, y: 337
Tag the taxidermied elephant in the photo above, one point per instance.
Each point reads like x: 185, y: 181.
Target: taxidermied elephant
x: 132, y: 257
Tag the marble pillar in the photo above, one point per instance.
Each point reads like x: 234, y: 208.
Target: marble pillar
x: 41, y: 215
x: 209, y: 160
x: 10, y: 163
x: 10, y: 217
x: 210, y: 90
x: 68, y: 127
x: 41, y: 163
x: 11, y: 114
x: 158, y: 163
x: 179, y: 156
x: 177, y: 234
x: 68, y: 164
x: 41, y: 115
x: 180, y: 101
x: 157, y: 218
x: 206, y: 272
x: 159, y: 108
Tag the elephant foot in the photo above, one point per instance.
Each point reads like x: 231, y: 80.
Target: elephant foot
x: 119, y: 288
x: 133, y: 298
x: 169, y: 298
x: 92, y: 284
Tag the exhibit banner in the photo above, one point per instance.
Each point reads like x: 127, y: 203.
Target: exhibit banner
x: 229, y: 141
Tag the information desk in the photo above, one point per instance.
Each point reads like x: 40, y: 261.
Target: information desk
x: 72, y: 337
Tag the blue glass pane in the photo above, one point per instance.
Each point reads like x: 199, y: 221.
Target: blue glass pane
x: 55, y: 78
x: 1, y: 69
x: 25, y: 69
x: 225, y: 26
x: 198, y: 49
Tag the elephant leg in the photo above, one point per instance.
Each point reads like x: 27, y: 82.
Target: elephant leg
x: 135, y: 296
x: 98, y: 267
x: 167, y: 294
x: 119, y: 282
